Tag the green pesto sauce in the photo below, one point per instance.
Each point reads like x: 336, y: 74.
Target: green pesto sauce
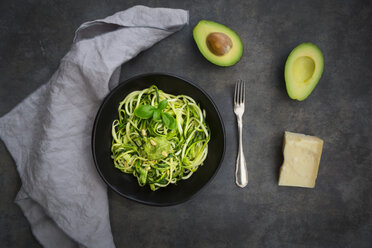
x: 154, y: 152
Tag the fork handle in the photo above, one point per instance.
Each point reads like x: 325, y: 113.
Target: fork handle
x: 241, y: 172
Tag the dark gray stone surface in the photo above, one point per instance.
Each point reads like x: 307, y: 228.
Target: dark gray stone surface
x: 35, y: 34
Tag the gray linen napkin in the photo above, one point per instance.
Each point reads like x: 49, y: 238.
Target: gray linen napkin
x: 49, y: 133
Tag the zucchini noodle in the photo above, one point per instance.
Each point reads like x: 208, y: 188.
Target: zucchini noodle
x: 155, y: 154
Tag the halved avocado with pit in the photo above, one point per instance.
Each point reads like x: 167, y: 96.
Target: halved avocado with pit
x: 303, y: 69
x: 218, y: 44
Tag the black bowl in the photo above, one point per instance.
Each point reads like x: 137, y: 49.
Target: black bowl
x: 126, y: 184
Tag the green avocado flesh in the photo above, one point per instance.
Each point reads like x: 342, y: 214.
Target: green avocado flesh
x: 154, y: 149
x: 303, y: 69
x: 218, y: 43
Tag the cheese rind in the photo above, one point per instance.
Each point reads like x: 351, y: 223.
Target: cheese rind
x: 301, y: 160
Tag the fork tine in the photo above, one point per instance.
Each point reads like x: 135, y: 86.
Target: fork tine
x: 243, y: 92
x: 236, y: 93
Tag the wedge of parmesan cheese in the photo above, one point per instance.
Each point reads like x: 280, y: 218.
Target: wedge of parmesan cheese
x: 301, y: 160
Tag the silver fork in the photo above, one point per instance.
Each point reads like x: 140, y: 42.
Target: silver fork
x: 241, y: 172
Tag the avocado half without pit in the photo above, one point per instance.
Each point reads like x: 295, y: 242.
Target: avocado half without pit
x: 218, y: 43
x: 303, y: 69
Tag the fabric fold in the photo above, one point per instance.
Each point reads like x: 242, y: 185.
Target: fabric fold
x: 49, y: 133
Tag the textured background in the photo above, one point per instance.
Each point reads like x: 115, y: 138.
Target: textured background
x: 35, y: 34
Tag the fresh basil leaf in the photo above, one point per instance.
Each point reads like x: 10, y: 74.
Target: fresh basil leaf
x: 173, y: 124
x: 168, y: 120
x: 157, y: 114
x: 144, y: 111
x: 163, y: 104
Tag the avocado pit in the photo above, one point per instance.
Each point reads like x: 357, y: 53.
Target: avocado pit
x: 219, y: 43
